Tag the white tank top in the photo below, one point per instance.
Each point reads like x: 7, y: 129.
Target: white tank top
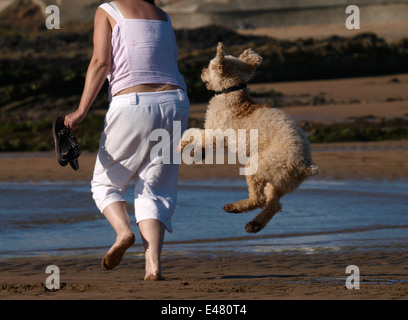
x: 143, y: 51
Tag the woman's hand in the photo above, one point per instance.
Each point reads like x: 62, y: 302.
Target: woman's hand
x: 74, y: 119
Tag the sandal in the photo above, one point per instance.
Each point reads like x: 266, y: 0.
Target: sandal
x: 66, y: 145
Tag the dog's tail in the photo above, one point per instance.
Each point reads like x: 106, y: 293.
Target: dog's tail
x: 312, y: 170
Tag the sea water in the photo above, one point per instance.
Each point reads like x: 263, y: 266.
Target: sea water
x: 60, y: 218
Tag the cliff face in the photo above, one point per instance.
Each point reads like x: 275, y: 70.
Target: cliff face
x: 23, y: 15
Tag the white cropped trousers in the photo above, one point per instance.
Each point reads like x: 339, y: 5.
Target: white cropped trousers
x: 125, y: 153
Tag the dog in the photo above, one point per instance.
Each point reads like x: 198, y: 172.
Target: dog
x: 283, y: 151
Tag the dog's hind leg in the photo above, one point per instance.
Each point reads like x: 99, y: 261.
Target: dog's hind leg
x: 256, y: 199
x: 272, y: 207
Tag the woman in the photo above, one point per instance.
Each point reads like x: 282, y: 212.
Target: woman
x: 135, y: 47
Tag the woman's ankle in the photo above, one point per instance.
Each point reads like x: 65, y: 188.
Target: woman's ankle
x: 153, y: 266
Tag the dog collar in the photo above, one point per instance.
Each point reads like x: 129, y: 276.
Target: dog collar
x: 232, y: 89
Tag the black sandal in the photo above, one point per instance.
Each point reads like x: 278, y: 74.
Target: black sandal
x: 66, y: 145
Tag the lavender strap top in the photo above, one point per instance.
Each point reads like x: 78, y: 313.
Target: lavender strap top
x: 143, y: 51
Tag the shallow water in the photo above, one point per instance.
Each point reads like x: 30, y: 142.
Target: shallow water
x: 61, y: 218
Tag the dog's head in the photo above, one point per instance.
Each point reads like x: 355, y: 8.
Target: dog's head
x: 225, y: 71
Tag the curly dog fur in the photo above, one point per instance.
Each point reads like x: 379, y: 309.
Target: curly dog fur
x: 283, y: 155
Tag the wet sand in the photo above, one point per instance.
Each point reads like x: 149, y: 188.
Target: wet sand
x: 383, y: 275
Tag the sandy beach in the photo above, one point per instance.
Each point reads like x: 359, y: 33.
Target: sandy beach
x: 294, y: 275
x: 390, y: 31
x: 383, y: 275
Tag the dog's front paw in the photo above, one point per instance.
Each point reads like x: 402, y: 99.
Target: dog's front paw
x: 231, y: 208
x: 191, y: 138
x: 181, y: 146
x: 253, y: 227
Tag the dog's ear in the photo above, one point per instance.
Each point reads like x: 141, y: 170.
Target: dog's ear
x: 220, y: 51
x: 219, y: 58
x: 251, y: 58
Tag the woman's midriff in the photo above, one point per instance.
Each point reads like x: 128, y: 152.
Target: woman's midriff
x: 153, y: 87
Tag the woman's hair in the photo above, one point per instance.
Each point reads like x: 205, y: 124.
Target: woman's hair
x: 150, y: 1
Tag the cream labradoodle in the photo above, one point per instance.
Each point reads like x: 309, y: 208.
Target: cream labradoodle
x: 283, y: 151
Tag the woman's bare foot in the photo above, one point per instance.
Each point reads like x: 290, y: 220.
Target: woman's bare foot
x: 152, y: 268
x: 154, y: 277
x: 116, y: 252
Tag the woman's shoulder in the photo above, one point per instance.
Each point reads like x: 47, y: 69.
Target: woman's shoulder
x: 163, y: 14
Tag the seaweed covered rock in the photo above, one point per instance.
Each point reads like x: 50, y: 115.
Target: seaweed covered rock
x: 23, y: 15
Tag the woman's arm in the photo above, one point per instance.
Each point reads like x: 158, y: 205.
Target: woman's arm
x: 98, y: 69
